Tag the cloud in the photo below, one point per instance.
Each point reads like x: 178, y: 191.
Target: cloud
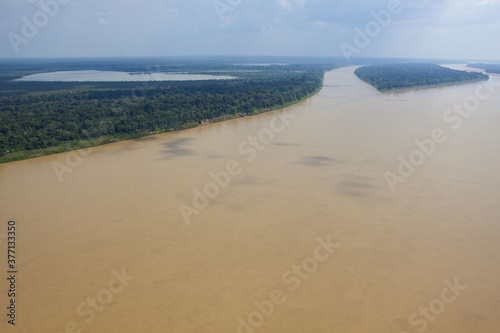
x: 295, y: 27
x: 343, y: 11
x: 453, y: 13
x: 285, y: 4
x: 265, y: 15
x: 435, y: 12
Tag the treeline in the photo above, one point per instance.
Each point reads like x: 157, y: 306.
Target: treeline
x: 410, y: 75
x: 489, y: 68
x: 75, y: 111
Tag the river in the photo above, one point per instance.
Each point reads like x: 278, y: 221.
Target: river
x: 296, y: 220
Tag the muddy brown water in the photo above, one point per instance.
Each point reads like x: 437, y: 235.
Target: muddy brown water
x: 304, y: 235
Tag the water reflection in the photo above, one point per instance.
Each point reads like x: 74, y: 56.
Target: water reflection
x: 178, y: 148
x: 318, y: 161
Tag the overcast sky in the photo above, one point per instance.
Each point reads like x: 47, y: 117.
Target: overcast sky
x: 455, y: 29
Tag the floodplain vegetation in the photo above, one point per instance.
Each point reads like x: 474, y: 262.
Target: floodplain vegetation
x: 489, y: 68
x: 387, y: 77
x: 42, y: 118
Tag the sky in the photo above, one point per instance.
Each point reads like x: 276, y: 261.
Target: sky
x: 444, y: 29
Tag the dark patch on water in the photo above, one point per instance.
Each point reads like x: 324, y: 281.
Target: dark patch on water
x: 318, y: 161
x: 178, y: 148
x: 358, y: 187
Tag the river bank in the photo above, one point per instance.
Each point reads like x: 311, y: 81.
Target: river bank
x: 107, y: 139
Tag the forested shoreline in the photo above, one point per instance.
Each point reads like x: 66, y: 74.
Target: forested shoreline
x: 388, y: 77
x: 489, y: 68
x: 38, y: 119
x: 43, y: 118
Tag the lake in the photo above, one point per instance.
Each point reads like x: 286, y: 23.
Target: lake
x: 348, y: 212
x: 108, y: 76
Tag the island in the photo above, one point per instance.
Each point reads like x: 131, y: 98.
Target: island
x: 39, y: 118
x: 387, y: 77
x: 489, y: 68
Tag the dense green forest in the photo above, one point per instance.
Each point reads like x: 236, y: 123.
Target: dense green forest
x: 39, y: 118
x: 409, y: 75
x: 489, y: 68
